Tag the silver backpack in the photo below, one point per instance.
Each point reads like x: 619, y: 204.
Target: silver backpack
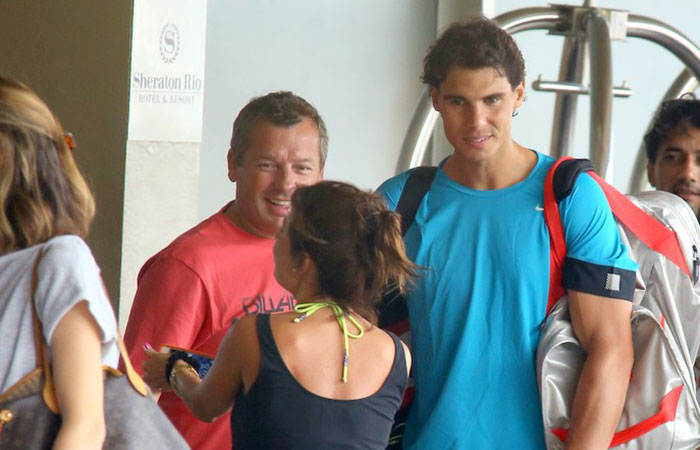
x: 661, y: 410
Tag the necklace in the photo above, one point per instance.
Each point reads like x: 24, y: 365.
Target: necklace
x: 306, y: 309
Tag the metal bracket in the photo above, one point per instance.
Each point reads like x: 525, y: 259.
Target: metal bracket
x: 573, y: 21
x: 567, y: 87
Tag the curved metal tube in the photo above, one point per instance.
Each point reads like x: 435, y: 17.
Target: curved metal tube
x: 524, y: 19
x: 418, y: 136
x: 425, y: 117
x: 668, y: 37
x: 601, y: 92
x: 685, y: 82
x: 573, y: 60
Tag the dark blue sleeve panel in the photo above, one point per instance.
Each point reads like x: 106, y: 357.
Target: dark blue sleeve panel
x: 605, y: 281
x: 597, y: 262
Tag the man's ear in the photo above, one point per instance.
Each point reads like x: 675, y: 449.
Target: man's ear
x: 519, y: 94
x: 435, y: 98
x: 650, y: 173
x: 231, y: 160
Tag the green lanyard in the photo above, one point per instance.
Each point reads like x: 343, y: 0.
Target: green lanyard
x: 309, y: 308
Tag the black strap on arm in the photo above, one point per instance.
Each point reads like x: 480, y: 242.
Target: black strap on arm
x: 566, y: 174
x: 392, y: 308
x: 417, y: 185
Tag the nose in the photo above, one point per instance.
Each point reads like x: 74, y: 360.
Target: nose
x: 475, y: 117
x: 285, y: 180
x: 691, y: 169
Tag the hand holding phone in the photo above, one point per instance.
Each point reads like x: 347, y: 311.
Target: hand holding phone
x: 201, y: 362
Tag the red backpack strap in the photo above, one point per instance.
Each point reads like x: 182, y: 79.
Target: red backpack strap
x: 557, y: 240
x: 646, y: 228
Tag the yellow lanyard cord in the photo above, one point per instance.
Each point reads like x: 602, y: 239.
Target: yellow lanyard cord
x: 306, y: 309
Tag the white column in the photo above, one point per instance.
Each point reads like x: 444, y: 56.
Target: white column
x: 165, y: 132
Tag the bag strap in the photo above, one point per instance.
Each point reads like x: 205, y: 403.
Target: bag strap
x: 48, y: 392
x: 557, y: 240
x: 417, y: 185
x: 42, y: 357
x: 558, y: 185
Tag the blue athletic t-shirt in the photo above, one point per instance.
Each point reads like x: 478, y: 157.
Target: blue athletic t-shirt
x: 475, y: 312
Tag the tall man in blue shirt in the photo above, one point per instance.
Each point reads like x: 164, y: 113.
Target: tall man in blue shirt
x: 480, y: 231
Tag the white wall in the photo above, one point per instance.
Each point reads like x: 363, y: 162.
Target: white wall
x: 357, y: 61
x: 648, y: 69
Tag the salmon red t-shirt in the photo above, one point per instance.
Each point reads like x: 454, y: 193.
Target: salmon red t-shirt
x: 188, y: 296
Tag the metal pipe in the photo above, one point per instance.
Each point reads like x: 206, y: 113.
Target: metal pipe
x: 418, y: 135
x: 568, y: 87
x: 573, y: 60
x: 601, y: 91
x: 685, y: 82
x: 524, y: 19
x: 425, y: 117
x: 668, y: 37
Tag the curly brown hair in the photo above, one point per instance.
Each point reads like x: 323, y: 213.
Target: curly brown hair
x: 684, y: 110
x: 474, y: 44
x: 353, y: 239
x: 42, y: 191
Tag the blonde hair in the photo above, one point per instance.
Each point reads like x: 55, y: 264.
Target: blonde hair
x: 42, y: 191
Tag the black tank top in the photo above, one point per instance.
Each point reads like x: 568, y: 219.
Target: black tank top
x: 278, y: 413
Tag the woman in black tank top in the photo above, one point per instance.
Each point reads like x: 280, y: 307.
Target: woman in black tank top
x: 324, y: 376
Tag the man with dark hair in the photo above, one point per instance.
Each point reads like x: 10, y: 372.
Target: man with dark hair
x: 190, y: 292
x: 673, y: 150
x: 480, y: 232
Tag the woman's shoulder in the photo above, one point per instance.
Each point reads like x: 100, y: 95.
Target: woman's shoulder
x: 66, y: 244
x: 67, y: 250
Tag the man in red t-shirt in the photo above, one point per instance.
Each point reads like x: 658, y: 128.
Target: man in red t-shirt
x: 190, y: 292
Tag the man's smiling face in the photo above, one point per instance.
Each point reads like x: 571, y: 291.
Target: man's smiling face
x: 277, y: 160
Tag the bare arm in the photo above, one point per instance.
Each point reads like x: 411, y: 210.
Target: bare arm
x: 213, y: 396
x: 602, y: 325
x: 77, y: 370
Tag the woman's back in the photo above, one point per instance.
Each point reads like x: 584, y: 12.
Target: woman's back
x: 294, y: 396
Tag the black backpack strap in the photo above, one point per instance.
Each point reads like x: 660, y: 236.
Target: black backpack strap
x: 393, y: 312
x: 417, y: 185
x: 566, y: 174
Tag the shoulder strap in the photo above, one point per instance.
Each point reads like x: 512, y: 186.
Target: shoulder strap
x: 42, y: 355
x: 417, y: 185
x: 557, y: 240
x: 558, y: 184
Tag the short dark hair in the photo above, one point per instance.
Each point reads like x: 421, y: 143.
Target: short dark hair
x: 684, y: 110
x: 474, y: 44
x: 353, y: 239
x: 282, y: 109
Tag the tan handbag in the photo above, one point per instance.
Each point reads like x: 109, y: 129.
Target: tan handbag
x: 30, y: 418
